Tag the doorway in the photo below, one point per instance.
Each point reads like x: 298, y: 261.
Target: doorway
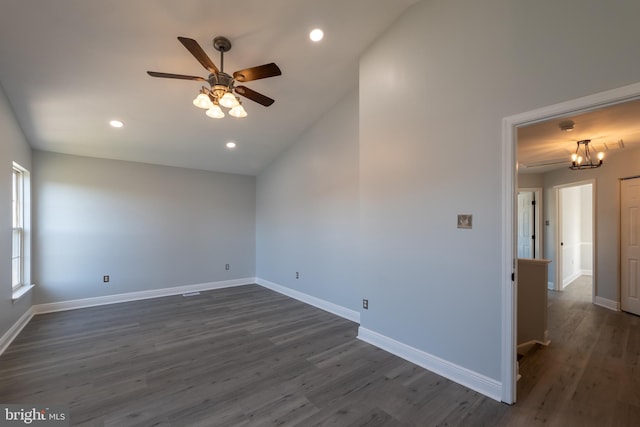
x: 575, y: 246
x: 529, y: 235
x: 509, y: 214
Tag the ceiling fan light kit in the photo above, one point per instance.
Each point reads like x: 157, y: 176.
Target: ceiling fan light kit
x: 222, y: 85
x: 583, y: 158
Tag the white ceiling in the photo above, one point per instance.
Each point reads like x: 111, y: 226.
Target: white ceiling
x: 615, y: 129
x: 69, y: 66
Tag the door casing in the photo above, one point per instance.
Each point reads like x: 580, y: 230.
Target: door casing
x: 509, y: 186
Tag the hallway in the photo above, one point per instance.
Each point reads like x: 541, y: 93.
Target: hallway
x: 589, y: 374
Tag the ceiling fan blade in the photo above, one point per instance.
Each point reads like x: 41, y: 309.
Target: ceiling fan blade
x: 254, y: 96
x: 259, y: 72
x: 195, y: 49
x: 175, y: 76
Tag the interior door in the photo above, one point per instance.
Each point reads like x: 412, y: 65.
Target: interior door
x: 525, y: 224
x: 630, y: 245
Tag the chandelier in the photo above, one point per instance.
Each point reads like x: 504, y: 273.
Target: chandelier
x: 583, y: 158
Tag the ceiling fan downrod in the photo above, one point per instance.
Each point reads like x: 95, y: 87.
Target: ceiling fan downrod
x: 222, y: 45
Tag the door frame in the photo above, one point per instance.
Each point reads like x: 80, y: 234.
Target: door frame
x: 509, y: 274
x: 559, y: 285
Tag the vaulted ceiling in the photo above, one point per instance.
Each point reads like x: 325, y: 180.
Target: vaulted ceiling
x: 70, y: 66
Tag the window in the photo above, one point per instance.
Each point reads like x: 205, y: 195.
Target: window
x: 18, y: 214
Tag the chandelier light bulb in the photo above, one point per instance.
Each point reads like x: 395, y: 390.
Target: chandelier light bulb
x: 601, y: 155
x: 202, y: 101
x: 574, y: 157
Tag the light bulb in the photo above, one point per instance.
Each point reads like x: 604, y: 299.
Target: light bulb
x: 579, y: 160
x: 601, y: 155
x: 238, y: 111
x: 202, y: 101
x: 215, y: 112
x: 316, y: 35
x: 574, y: 157
x: 228, y: 100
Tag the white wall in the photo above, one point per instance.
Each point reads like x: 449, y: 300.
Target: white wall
x: 307, y: 211
x: 13, y: 147
x: 577, y: 234
x: 433, y: 92
x: 586, y: 229
x: 147, y: 226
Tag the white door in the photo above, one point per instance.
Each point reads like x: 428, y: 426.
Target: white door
x: 525, y: 224
x: 630, y: 245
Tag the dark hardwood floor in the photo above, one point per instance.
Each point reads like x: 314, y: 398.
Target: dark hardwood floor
x: 247, y: 356
x: 589, y: 375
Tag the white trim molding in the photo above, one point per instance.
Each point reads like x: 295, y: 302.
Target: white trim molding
x: 336, y: 309
x: 135, y: 296
x: 13, y: 331
x: 21, y: 292
x: 473, y: 380
x: 607, y: 303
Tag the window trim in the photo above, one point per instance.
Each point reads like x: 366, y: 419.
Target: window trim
x: 20, y: 223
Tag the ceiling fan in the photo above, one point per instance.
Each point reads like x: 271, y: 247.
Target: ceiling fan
x: 222, y: 85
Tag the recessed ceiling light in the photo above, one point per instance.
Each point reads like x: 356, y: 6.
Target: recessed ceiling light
x: 116, y: 123
x: 231, y: 145
x: 316, y: 35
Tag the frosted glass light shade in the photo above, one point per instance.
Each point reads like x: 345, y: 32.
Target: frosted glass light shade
x: 228, y: 100
x: 215, y: 112
x: 238, y: 111
x: 202, y: 101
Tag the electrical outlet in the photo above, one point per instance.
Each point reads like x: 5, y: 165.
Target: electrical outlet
x: 365, y: 304
x: 226, y: 266
x: 105, y: 279
x: 297, y: 275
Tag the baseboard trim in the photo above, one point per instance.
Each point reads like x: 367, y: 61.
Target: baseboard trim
x: 607, y: 303
x: 14, y: 330
x: 473, y: 380
x: 135, y: 296
x: 566, y: 282
x: 336, y: 309
x: 546, y: 342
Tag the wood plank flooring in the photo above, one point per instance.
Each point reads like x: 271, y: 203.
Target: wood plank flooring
x: 589, y: 375
x: 247, y: 356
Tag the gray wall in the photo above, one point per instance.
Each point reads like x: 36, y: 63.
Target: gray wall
x: 147, y: 226
x: 530, y: 180
x: 434, y: 90
x: 13, y: 148
x: 607, y: 217
x: 307, y: 211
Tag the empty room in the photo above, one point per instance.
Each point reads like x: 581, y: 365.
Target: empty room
x: 305, y: 213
